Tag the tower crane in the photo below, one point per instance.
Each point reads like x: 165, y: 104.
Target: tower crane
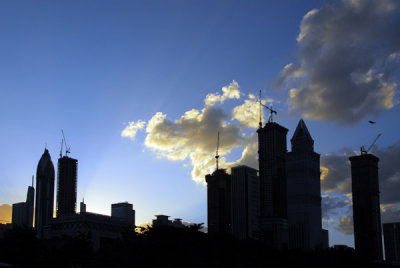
x: 271, y: 112
x: 64, y: 141
x: 363, y: 151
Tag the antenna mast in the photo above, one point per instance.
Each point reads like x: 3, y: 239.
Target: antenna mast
x: 260, y: 122
x: 216, y: 154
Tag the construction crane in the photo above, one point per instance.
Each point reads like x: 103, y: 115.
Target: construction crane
x: 64, y: 141
x: 216, y: 154
x: 363, y: 151
x: 271, y: 112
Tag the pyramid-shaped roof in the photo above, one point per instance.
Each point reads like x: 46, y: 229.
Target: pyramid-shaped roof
x: 301, y: 137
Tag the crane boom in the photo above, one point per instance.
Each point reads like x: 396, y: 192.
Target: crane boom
x: 373, y: 143
x: 67, y: 148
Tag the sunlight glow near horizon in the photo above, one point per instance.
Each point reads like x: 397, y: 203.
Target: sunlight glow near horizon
x: 92, y: 69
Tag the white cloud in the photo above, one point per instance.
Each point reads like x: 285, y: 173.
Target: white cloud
x: 131, y: 130
x: 229, y: 92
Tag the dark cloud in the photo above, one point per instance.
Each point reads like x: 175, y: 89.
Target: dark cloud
x: 336, y: 173
x: 347, y: 58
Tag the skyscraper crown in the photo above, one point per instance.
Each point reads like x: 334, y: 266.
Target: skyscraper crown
x: 45, y: 166
x: 301, y: 140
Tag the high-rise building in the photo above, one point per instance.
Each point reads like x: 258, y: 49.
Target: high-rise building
x: 44, y: 192
x: 303, y: 191
x: 391, y: 237
x: 123, y: 211
x: 366, y: 207
x: 22, y: 213
x: 273, y: 198
x: 19, y: 216
x: 66, y: 186
x: 245, y: 195
x: 219, y: 201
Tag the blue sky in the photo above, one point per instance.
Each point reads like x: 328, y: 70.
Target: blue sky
x: 91, y: 68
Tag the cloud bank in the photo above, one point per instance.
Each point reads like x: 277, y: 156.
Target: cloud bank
x: 348, y: 61
x: 193, y: 136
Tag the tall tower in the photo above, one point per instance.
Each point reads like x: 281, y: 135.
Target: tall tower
x: 245, y: 191
x: 44, y: 192
x: 30, y: 204
x: 366, y: 206
x: 391, y: 233
x: 272, y: 169
x: 304, y: 191
x: 219, y: 201
x: 66, y: 186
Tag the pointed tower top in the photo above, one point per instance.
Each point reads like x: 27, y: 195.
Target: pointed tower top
x: 302, y: 139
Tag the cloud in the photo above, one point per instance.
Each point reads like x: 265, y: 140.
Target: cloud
x: 5, y: 213
x: 345, y: 225
x: 336, y: 172
x: 336, y: 183
x: 229, y: 92
x: 348, y: 58
x: 131, y: 130
x: 193, y: 136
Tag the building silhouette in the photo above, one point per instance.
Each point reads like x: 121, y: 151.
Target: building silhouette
x: 123, y: 211
x: 22, y: 213
x: 219, y: 201
x: 100, y: 229
x: 66, y: 186
x: 391, y: 235
x: 304, y: 191
x: 245, y: 195
x: 44, y: 192
x: 273, y: 198
x: 366, y: 207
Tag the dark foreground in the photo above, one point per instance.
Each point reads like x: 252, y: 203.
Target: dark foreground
x: 164, y: 247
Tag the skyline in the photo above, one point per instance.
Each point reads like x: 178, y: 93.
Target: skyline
x: 64, y: 78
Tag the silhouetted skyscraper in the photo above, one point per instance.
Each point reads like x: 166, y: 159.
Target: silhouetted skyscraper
x: 123, y: 211
x: 66, y: 186
x: 22, y: 213
x: 272, y: 170
x: 304, y: 191
x: 245, y: 201
x: 44, y: 192
x: 366, y: 206
x: 391, y: 235
x: 219, y: 201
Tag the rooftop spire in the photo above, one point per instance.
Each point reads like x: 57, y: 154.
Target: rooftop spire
x: 302, y: 139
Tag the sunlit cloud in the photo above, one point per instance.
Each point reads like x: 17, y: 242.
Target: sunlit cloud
x: 193, y: 136
x: 132, y: 128
x: 229, y: 92
x: 5, y: 213
x: 345, y: 225
x: 347, y: 61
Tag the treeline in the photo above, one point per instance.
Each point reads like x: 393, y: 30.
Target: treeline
x: 163, y: 247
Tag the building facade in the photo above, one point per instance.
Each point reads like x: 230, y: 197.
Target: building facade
x: 304, y: 191
x: 273, y: 193
x: 123, y: 211
x: 219, y: 202
x: 22, y: 213
x: 44, y: 192
x: 366, y: 207
x: 67, y: 174
x: 245, y: 195
x: 391, y: 235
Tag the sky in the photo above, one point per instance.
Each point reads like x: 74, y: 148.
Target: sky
x: 141, y: 89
